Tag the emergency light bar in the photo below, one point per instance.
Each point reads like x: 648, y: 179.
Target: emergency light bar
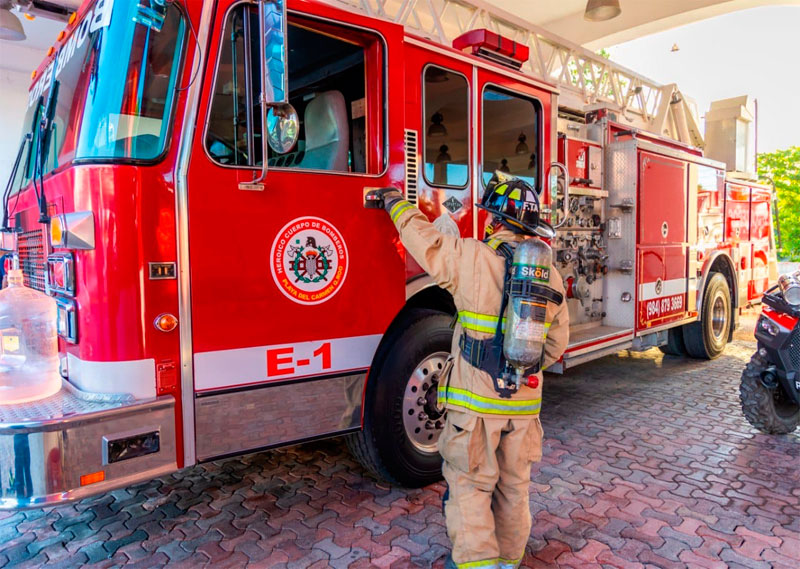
x: 495, y: 47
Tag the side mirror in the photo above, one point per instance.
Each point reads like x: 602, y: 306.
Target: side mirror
x: 279, y: 121
x: 283, y: 126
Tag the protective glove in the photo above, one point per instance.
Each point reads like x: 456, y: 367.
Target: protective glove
x: 382, y: 198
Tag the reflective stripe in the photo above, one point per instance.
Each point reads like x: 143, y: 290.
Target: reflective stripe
x: 471, y: 564
x: 399, y: 208
x: 478, y: 322
x: 509, y: 563
x: 494, y: 243
x: 474, y: 402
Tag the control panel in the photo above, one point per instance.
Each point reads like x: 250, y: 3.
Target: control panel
x: 580, y: 244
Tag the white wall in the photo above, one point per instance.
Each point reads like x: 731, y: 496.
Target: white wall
x: 13, y: 102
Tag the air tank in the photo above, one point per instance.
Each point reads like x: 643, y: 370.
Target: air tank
x: 28, y: 343
x: 525, y: 316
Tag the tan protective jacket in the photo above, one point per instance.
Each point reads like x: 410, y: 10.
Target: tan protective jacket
x: 473, y: 272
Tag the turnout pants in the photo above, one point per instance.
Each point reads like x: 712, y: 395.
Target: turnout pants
x: 487, y: 466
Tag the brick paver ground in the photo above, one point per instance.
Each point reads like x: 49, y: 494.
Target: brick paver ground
x: 648, y: 462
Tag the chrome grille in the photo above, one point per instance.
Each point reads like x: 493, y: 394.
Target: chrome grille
x: 32, y: 258
x: 794, y: 348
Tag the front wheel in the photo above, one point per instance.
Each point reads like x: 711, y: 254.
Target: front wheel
x: 401, y: 421
x: 769, y: 410
x: 707, y: 338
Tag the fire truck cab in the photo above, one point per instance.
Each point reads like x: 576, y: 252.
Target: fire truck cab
x: 221, y: 288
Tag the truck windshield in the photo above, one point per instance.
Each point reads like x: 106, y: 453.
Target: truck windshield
x: 117, y: 72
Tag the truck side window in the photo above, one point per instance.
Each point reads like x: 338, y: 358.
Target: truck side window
x: 446, y: 150
x: 233, y: 136
x: 327, y: 86
x: 510, y: 135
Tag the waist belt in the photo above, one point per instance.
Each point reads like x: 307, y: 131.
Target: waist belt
x: 487, y: 355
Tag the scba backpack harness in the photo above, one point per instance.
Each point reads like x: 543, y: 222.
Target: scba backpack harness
x: 487, y: 354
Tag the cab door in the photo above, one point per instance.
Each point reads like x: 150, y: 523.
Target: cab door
x: 296, y: 280
x: 440, y: 87
x: 513, y: 132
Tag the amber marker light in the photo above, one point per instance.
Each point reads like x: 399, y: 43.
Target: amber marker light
x: 33, y: 75
x: 93, y: 478
x: 51, y: 51
x: 166, y: 322
x: 29, y: 17
x: 56, y: 232
x: 72, y: 18
x: 61, y: 35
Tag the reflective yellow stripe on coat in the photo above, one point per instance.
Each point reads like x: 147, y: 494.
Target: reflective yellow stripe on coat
x: 399, y: 209
x: 485, y: 322
x: 456, y: 397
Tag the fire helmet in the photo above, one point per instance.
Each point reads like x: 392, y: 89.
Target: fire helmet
x: 515, y: 203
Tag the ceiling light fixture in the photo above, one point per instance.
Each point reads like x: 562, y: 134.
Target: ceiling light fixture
x: 10, y: 26
x: 522, y: 147
x: 437, y: 129
x: 601, y: 10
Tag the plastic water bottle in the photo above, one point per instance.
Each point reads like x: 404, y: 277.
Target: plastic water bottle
x: 28, y: 343
x: 525, y: 320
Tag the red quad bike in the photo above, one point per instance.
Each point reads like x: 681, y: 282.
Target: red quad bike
x: 770, y: 387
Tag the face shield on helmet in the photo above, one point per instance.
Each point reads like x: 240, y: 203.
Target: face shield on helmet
x: 516, y: 204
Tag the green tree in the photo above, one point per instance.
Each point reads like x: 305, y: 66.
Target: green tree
x: 782, y: 168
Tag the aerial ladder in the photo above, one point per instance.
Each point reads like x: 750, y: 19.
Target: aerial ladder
x: 586, y: 80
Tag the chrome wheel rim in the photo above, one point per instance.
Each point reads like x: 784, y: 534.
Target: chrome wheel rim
x: 422, y: 421
x: 719, y: 316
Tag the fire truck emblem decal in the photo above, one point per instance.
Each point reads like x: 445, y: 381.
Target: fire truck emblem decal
x: 309, y: 260
x: 311, y: 263
x: 452, y: 204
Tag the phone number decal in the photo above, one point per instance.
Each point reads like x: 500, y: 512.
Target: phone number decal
x: 661, y: 307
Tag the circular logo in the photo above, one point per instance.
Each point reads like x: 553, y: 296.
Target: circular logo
x: 308, y: 260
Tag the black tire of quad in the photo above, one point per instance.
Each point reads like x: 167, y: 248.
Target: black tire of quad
x: 707, y: 338
x: 384, y: 447
x: 766, y: 410
x: 675, y: 345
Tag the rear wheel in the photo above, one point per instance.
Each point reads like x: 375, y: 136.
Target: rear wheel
x: 675, y: 345
x: 707, y: 338
x: 401, y: 421
x: 768, y: 410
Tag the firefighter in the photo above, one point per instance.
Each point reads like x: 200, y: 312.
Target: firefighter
x: 492, y: 432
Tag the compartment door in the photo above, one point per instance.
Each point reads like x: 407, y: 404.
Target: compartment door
x: 760, y: 233
x: 662, y: 241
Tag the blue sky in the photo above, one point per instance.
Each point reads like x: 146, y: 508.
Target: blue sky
x: 752, y: 52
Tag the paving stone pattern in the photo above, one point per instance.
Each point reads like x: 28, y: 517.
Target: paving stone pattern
x: 648, y: 462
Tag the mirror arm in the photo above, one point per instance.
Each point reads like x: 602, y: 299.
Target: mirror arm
x: 262, y: 14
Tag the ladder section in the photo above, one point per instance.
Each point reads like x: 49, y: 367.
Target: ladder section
x: 586, y: 80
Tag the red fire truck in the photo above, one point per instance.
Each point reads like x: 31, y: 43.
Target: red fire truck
x: 190, y: 189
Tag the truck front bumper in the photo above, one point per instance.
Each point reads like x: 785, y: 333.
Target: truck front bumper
x: 75, y: 444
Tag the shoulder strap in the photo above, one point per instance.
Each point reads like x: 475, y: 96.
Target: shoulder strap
x: 506, y: 251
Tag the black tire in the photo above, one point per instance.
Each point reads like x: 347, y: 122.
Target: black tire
x: 675, y: 345
x: 707, y: 338
x: 768, y: 410
x: 385, y: 446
